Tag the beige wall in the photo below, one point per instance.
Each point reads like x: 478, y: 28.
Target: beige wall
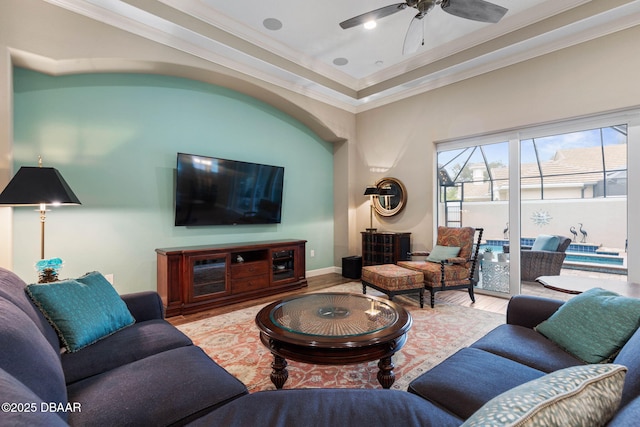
x: 601, y: 219
x: 594, y: 77
x: 6, y: 105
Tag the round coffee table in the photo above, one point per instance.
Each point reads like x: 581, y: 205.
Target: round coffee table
x: 333, y: 329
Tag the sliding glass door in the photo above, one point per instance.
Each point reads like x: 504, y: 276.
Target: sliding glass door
x: 574, y: 185
x: 565, y: 179
x: 473, y: 191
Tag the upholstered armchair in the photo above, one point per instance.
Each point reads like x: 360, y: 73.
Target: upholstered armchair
x: 451, y: 264
x: 544, y: 258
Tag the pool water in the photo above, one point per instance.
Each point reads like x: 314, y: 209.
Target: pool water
x: 573, y: 257
x: 594, y: 259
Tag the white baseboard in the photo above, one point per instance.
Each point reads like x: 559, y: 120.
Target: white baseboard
x: 326, y: 270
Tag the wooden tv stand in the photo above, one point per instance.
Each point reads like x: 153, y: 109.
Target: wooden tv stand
x: 196, y: 278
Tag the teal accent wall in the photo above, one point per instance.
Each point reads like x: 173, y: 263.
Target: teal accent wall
x: 114, y: 138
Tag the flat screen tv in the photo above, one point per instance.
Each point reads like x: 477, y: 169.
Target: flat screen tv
x: 213, y: 191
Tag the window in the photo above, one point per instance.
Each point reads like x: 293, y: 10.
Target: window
x: 561, y: 179
x: 477, y: 173
x: 578, y: 165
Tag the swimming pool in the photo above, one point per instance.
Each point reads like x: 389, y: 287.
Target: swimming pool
x: 595, y: 259
x: 572, y: 257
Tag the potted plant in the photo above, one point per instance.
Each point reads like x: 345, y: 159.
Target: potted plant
x: 488, y: 254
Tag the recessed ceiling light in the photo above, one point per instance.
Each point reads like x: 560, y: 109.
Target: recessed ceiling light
x: 370, y: 25
x: 272, y: 24
x: 341, y: 61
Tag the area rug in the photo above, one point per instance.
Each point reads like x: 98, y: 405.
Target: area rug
x: 232, y: 340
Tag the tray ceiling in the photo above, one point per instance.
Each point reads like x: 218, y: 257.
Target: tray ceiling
x: 300, y: 46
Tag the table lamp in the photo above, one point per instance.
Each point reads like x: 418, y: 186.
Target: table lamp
x: 371, y: 191
x: 385, y: 194
x: 38, y: 186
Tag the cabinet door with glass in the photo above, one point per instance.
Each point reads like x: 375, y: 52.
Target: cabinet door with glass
x: 207, y: 276
x: 286, y: 264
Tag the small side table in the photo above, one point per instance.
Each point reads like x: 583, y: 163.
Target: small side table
x: 495, y: 275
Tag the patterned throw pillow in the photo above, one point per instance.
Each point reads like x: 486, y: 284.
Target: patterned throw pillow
x: 594, y: 325
x: 440, y: 253
x: 585, y: 395
x: 83, y: 310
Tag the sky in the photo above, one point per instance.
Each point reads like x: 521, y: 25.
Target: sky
x: 546, y: 147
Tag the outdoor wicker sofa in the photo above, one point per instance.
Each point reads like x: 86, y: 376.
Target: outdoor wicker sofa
x: 536, y: 263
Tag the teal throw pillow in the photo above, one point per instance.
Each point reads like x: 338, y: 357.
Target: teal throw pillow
x: 545, y: 243
x: 585, y: 395
x: 594, y: 325
x: 83, y: 310
x: 440, y: 253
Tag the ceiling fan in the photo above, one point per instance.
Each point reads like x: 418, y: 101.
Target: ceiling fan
x: 477, y: 10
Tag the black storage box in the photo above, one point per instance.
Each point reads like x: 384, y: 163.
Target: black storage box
x: 352, y: 267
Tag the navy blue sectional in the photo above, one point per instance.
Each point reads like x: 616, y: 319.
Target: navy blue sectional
x: 513, y: 354
x: 152, y: 374
x: 149, y: 373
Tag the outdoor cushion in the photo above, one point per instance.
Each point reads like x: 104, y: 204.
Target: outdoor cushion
x: 586, y: 396
x: 441, y: 253
x: 83, y: 310
x: 545, y: 243
x: 594, y: 325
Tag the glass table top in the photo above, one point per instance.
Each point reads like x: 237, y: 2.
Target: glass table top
x: 333, y: 315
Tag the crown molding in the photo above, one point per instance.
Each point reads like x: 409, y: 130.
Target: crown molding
x: 581, y: 21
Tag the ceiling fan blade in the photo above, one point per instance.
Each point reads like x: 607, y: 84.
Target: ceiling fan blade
x: 477, y: 10
x: 415, y: 35
x: 373, y: 15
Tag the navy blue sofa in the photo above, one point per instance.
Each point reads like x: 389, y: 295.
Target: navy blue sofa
x: 152, y: 374
x: 149, y: 373
x: 513, y: 354
x: 508, y: 356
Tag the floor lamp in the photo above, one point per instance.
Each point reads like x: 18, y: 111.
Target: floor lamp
x: 38, y: 186
x: 371, y: 191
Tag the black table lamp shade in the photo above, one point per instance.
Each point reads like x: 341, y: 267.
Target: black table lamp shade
x: 371, y: 190
x: 37, y: 185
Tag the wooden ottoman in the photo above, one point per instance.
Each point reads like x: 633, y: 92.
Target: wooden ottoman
x: 393, y: 280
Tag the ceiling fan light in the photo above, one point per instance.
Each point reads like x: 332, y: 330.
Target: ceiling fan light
x: 370, y: 25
